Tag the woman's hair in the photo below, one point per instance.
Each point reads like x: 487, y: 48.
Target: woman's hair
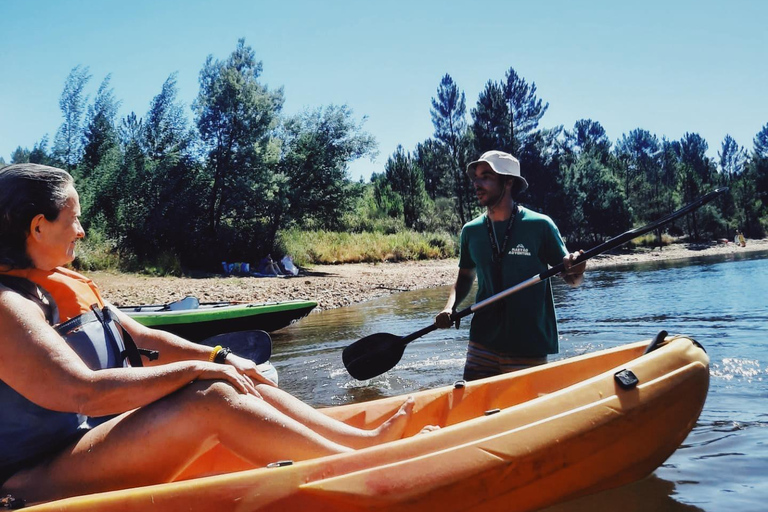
x: 27, y: 190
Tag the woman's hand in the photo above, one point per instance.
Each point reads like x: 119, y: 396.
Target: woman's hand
x: 248, y: 368
x: 228, y: 373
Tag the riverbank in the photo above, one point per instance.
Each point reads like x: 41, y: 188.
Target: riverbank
x: 334, y: 286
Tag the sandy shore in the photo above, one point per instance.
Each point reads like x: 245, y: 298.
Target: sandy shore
x: 334, y: 286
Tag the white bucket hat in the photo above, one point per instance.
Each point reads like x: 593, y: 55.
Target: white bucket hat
x: 501, y: 163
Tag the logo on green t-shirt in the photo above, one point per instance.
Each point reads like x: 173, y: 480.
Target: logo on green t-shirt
x: 520, y: 250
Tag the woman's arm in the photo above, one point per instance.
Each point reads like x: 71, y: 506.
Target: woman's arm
x: 174, y: 348
x: 37, y: 363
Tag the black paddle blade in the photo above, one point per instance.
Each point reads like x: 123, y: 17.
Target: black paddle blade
x: 373, y: 355
x: 255, y: 345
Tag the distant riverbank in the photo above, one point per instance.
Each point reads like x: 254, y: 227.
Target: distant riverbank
x: 334, y: 286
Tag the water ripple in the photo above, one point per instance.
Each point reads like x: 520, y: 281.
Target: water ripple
x: 738, y: 368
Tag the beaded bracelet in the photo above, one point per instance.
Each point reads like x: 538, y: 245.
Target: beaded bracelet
x: 214, y: 352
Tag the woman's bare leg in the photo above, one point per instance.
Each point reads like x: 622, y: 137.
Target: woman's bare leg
x: 335, y: 430
x: 155, y: 443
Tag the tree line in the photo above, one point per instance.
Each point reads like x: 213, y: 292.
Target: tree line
x: 218, y: 189
x: 592, y: 188
x: 224, y: 186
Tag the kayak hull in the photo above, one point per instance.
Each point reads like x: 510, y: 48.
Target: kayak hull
x: 213, y: 319
x: 515, y: 442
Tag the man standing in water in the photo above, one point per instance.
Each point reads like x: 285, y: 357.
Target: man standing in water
x: 502, y: 247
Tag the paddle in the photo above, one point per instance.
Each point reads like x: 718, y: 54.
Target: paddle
x: 256, y: 345
x: 375, y: 354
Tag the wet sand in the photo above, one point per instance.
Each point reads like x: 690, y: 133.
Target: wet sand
x: 334, y: 286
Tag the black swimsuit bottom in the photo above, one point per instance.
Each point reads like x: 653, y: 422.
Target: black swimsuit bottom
x: 6, y: 472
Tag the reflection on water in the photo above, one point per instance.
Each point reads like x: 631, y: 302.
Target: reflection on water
x: 650, y: 494
x: 719, y: 301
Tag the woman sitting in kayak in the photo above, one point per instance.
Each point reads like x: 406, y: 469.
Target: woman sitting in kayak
x: 76, y: 418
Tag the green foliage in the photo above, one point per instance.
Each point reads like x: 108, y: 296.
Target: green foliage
x: 697, y: 173
x: 449, y: 120
x: 441, y: 217
x: 160, y: 196
x: 386, y: 200
x: 98, y: 252
x: 492, y: 126
x: 100, y: 134
x: 732, y: 158
x: 68, y: 145
x: 330, y: 247
x: 761, y: 143
x: 599, y: 208
x: 407, y: 180
x: 317, y: 148
x: 525, y: 109
x: 651, y: 240
x: 588, y: 136
x: 755, y: 196
x: 236, y: 116
x: 20, y: 155
x: 638, y: 154
x: 435, y: 164
x: 711, y: 222
x: 165, y: 132
x: 448, y: 112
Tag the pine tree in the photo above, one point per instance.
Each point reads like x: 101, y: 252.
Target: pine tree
x: 491, y: 124
x: 588, y: 136
x: 68, y: 143
x: 761, y: 143
x: 525, y: 109
x: 449, y: 119
x: 407, y: 180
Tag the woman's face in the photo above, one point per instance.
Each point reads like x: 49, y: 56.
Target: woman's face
x: 55, y: 241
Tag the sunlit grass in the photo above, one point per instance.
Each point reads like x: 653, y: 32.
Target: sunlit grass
x: 651, y: 240
x: 329, y: 247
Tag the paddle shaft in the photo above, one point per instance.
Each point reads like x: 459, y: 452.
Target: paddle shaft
x: 591, y: 253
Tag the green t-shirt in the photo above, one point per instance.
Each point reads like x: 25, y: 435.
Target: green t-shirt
x: 523, y: 324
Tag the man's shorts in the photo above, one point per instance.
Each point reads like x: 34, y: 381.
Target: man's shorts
x: 483, y: 362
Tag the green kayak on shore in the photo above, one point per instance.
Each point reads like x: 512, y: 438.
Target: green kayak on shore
x: 197, y: 321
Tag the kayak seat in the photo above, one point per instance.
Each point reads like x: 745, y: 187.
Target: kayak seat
x: 183, y: 304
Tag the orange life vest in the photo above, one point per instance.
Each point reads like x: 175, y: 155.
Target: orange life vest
x: 73, y: 293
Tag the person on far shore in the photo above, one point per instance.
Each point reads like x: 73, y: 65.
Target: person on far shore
x: 739, y: 239
x: 502, y: 247
x: 268, y: 267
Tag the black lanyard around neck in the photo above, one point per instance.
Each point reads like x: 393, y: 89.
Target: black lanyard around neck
x: 498, y: 253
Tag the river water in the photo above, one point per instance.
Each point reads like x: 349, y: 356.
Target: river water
x: 721, y: 302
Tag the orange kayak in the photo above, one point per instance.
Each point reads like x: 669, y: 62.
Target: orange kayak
x: 515, y: 442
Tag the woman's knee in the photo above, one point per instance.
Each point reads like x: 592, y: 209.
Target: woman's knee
x: 209, y: 396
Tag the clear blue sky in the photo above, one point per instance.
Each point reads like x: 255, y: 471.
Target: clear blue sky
x: 669, y: 66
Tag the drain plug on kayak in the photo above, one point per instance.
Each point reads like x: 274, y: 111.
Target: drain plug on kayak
x: 280, y: 464
x: 626, y: 379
